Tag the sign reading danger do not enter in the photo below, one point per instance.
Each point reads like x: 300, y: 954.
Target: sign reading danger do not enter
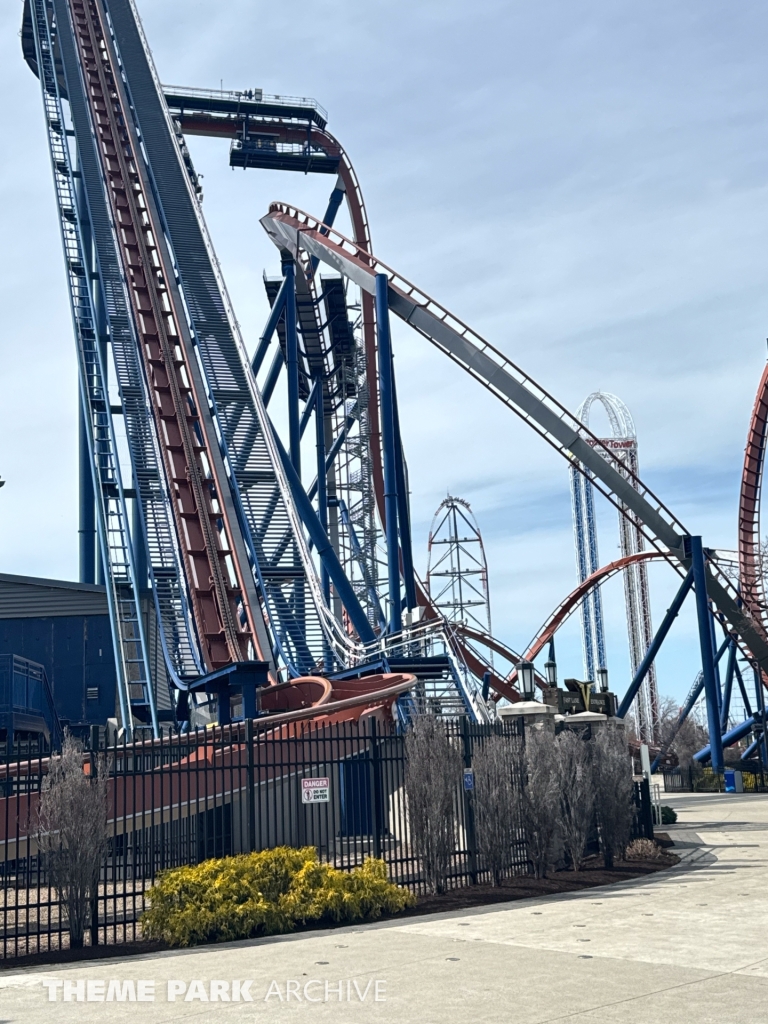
x: 315, y: 791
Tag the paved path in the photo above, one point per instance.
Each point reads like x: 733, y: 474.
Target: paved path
x: 686, y: 946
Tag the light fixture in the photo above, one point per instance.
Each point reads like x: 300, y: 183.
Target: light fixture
x: 602, y: 679
x: 526, y: 675
x: 550, y: 667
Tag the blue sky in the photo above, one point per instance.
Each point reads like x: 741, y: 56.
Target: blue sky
x: 583, y: 183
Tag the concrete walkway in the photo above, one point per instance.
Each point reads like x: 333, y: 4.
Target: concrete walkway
x: 685, y: 946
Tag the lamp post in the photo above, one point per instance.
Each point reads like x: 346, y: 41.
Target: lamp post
x: 550, y: 668
x: 527, y: 677
x: 602, y: 679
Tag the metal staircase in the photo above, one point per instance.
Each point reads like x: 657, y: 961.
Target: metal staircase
x: 135, y: 693
x: 274, y: 544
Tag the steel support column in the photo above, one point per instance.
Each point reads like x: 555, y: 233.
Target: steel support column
x: 139, y: 545
x: 728, y: 687
x: 274, y: 318
x: 403, y: 510
x: 292, y: 365
x: 762, y: 745
x: 658, y: 640
x: 705, y: 643
x: 324, y: 548
x: 322, y: 483
x: 87, y: 525
x: 389, y: 447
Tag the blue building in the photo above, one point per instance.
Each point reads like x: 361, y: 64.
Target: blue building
x: 65, y: 627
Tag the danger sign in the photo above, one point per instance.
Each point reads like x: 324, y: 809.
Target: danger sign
x: 315, y: 791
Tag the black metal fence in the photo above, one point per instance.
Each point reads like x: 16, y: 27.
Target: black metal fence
x: 697, y: 779
x: 216, y: 792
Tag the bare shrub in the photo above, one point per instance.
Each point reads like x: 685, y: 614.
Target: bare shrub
x: 72, y: 833
x: 539, y: 799
x: 614, y: 792
x: 433, y: 770
x: 496, y: 767
x: 643, y: 849
x: 574, y: 779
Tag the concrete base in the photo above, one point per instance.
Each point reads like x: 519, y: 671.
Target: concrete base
x: 534, y: 714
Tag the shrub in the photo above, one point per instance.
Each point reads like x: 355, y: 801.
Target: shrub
x: 432, y: 775
x: 539, y: 800
x: 72, y: 834
x: 574, y: 778
x: 495, y: 766
x: 643, y: 849
x: 264, y: 893
x: 614, y: 792
x: 668, y: 815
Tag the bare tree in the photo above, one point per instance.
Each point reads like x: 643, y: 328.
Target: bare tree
x: 574, y: 777
x: 497, y: 771
x: 614, y: 792
x: 72, y: 832
x: 690, y: 737
x: 539, y: 799
x: 432, y: 776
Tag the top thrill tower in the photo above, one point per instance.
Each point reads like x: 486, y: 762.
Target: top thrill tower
x: 263, y: 558
x: 623, y: 441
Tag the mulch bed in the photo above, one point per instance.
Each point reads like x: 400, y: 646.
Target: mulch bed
x: 523, y: 887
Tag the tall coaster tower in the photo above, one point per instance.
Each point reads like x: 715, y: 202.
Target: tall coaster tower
x: 457, y: 570
x: 623, y: 444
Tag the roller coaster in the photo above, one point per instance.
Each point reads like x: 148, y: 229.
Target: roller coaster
x: 267, y: 559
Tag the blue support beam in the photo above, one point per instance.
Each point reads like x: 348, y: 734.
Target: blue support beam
x: 337, y: 198
x: 403, y: 510
x: 728, y: 685
x: 713, y: 642
x: 87, y: 524
x: 760, y: 698
x: 357, y: 551
x: 738, y: 733
x: 333, y: 451
x: 292, y: 364
x: 139, y: 545
x: 322, y: 483
x: 309, y: 408
x: 698, y: 567
x: 324, y: 548
x: 658, y: 640
x: 751, y: 749
x: 389, y: 450
x: 693, y: 696
x: 743, y: 689
x: 272, y: 375
x: 274, y: 318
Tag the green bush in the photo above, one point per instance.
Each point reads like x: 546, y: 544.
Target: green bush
x: 668, y: 816
x: 264, y: 894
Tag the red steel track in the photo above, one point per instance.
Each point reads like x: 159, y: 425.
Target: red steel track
x: 220, y: 759
x: 218, y: 601
x: 749, y: 502
x: 750, y: 567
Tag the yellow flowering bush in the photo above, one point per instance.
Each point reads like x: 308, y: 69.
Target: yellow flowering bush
x: 264, y: 893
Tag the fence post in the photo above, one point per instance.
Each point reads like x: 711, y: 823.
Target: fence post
x: 94, y: 744
x: 375, y: 776
x: 469, y: 808
x: 646, y: 808
x: 250, y: 789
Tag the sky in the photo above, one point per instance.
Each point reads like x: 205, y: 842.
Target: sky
x: 581, y: 182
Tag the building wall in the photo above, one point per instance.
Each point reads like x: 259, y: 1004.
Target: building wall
x: 65, y: 627
x: 76, y: 651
